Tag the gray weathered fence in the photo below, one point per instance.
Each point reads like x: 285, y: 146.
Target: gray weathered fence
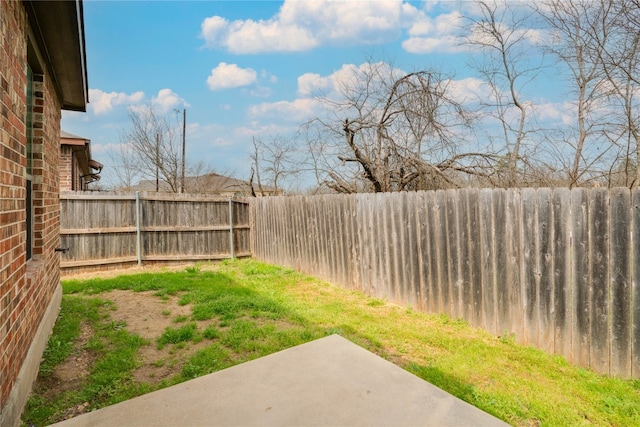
x: 119, y: 229
x: 556, y: 268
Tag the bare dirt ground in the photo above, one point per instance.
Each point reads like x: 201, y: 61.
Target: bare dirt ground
x: 141, y: 313
x: 147, y: 315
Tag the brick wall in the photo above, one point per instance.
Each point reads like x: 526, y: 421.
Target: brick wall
x: 26, y: 287
x: 66, y: 173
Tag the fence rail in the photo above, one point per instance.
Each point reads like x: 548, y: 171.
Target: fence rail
x: 120, y: 229
x: 556, y: 268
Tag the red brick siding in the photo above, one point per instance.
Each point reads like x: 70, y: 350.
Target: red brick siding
x: 26, y: 288
x: 70, y: 172
x: 66, y: 173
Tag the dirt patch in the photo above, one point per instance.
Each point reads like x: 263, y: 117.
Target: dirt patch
x: 141, y: 313
x: 70, y: 374
x: 148, y: 316
x: 145, y: 314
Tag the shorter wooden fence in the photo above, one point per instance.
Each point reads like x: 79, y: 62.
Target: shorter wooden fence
x: 115, y: 230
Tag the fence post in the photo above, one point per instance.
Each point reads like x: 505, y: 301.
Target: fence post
x: 138, y: 234
x: 231, y: 251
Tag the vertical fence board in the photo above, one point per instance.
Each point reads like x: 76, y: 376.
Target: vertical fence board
x: 347, y: 242
x: 501, y: 261
x: 335, y: 221
x: 464, y: 268
x: 293, y: 209
x: 302, y: 231
x: 400, y: 247
x: 425, y: 266
x: 379, y: 233
x: 435, y: 235
x: 439, y: 237
x: 600, y: 284
x: 378, y: 246
x: 412, y: 250
x: 580, y: 276
x: 380, y: 242
x: 530, y: 272
x: 546, y: 274
x: 620, y: 273
x: 365, y: 244
x: 312, y: 236
x: 454, y: 259
x: 487, y: 257
x: 635, y: 284
x: 329, y: 234
x: 354, y: 254
x: 562, y: 299
x: 510, y: 292
x: 321, y: 237
x: 388, y: 248
x: 475, y: 256
x: 339, y: 213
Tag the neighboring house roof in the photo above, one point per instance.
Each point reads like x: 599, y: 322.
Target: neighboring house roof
x: 211, y: 183
x: 59, y: 31
x: 82, y: 149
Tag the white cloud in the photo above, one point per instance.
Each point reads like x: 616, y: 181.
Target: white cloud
x: 469, y: 90
x: 167, y: 100
x: 349, y: 75
x: 439, y: 34
x: 250, y: 36
x: 304, y: 25
x: 103, y: 102
x: 563, y: 112
x: 214, y: 30
x: 310, y: 84
x: 265, y: 75
x: 229, y: 76
x: 261, y: 92
x: 298, y: 110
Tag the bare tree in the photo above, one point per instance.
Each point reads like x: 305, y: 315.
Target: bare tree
x: 619, y: 53
x: 502, y: 33
x: 399, y: 131
x: 151, y: 149
x: 127, y: 170
x: 582, y: 34
x: 272, y: 163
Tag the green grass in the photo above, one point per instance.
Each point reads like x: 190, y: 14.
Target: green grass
x: 254, y: 309
x: 113, y: 348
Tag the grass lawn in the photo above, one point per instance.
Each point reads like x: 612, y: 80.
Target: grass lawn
x: 241, y: 310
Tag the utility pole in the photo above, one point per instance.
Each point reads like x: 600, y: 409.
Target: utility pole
x: 184, y: 135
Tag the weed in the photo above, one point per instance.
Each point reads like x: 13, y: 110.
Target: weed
x: 508, y: 338
x: 195, y: 269
x: 374, y: 302
x: 210, y: 359
x: 211, y: 333
x: 174, y: 336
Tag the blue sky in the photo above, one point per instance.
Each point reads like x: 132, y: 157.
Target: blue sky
x: 245, y: 69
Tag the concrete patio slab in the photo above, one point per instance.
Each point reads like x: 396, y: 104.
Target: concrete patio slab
x: 328, y: 382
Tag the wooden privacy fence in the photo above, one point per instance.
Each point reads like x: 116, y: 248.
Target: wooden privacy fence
x: 554, y: 268
x: 119, y: 229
